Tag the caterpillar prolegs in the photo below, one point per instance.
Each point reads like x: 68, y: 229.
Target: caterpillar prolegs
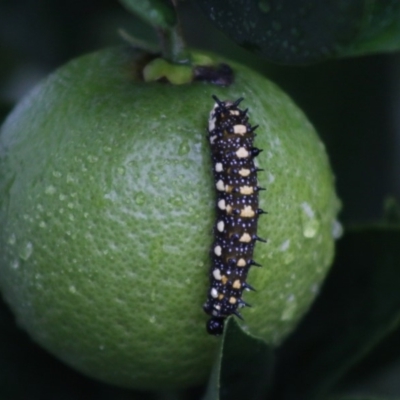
x: 231, y: 139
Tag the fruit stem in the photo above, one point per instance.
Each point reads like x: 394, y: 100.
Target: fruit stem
x: 172, y: 44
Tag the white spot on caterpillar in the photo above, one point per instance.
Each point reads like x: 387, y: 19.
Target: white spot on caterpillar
x: 246, y: 190
x: 242, y: 153
x: 212, y: 139
x: 245, y: 238
x: 221, y: 226
x: 244, y: 172
x: 237, y: 284
x: 218, y: 250
x: 220, y: 185
x: 239, y: 129
x: 222, y: 204
x: 214, y: 293
x: 247, y: 212
x: 234, y: 112
x: 232, y: 300
x: 218, y: 167
x: 241, y: 262
x: 217, y: 307
x: 211, y: 123
x: 217, y: 274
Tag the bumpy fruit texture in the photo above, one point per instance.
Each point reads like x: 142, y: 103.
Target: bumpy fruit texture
x: 107, y: 204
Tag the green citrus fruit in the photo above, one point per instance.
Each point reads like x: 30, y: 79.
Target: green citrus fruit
x: 106, y: 215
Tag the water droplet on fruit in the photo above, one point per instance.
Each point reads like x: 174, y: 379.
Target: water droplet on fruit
x: 184, y: 148
x: 72, y: 289
x: 50, y: 189
x: 140, y: 199
x: 271, y: 178
x: 337, y: 229
x: 310, y: 228
x: 57, y: 174
x: 26, y: 251
x: 12, y: 239
x: 121, y: 170
x: 285, y: 245
x: 290, y: 308
x: 42, y: 224
x: 92, y: 159
x: 309, y: 221
x: 314, y: 288
x: 14, y: 264
x: 70, y: 178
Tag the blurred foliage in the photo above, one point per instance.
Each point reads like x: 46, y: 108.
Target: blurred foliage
x: 307, y: 31
x: 243, y: 362
x: 351, y: 336
x: 156, y: 13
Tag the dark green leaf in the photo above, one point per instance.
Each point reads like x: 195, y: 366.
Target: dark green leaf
x: 307, y: 31
x: 289, y: 32
x: 379, y: 365
x: 243, y: 369
x: 156, y: 13
x: 358, y: 307
x: 380, y: 31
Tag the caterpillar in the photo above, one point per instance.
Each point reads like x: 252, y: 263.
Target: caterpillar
x: 231, y: 140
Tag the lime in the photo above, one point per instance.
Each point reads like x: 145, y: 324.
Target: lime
x: 107, y: 204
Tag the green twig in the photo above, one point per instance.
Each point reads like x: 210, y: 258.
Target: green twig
x: 163, y: 18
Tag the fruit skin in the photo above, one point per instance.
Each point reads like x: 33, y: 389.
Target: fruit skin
x: 106, y: 215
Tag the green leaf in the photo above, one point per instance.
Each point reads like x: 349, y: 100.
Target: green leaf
x: 380, y: 31
x: 359, y: 307
x: 307, y: 31
x: 376, y: 366
x: 157, y: 13
x: 243, y: 369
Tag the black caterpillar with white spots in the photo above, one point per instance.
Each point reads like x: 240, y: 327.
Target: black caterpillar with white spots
x: 231, y: 139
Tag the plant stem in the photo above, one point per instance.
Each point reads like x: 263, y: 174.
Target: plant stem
x: 172, y: 43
